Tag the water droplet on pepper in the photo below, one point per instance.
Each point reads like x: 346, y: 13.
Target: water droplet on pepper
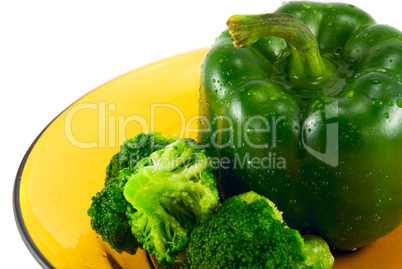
x: 374, y: 81
x: 377, y: 102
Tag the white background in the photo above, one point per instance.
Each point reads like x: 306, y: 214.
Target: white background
x: 53, y: 52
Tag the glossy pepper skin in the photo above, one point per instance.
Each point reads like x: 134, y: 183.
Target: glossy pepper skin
x: 314, y: 124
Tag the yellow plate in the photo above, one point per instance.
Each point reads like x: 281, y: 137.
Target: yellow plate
x: 65, y: 166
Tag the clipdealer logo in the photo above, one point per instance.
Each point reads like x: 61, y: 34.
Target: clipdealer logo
x: 112, y: 128
x: 100, y: 125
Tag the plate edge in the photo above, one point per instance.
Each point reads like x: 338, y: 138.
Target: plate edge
x: 19, y: 220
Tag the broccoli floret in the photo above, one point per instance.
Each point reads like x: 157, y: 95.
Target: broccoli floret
x: 135, y: 149
x: 317, y: 252
x: 248, y: 232
x: 109, y: 206
x: 108, y: 215
x: 172, y: 192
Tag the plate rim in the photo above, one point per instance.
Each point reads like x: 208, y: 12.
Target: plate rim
x: 19, y: 220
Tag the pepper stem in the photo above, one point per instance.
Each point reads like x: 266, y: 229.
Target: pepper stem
x: 306, y: 65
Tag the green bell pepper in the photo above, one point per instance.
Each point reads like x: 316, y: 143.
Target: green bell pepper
x: 304, y: 106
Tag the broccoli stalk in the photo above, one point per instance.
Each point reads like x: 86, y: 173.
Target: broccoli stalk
x: 172, y: 192
x: 109, y: 206
x: 248, y: 232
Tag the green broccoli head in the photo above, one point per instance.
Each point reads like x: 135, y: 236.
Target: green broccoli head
x: 317, y: 252
x: 172, y: 192
x: 135, y: 149
x: 108, y: 208
x: 108, y: 215
x: 248, y: 232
